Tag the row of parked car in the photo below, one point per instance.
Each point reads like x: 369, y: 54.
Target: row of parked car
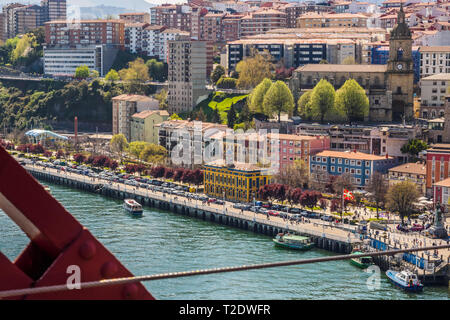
x: 282, y: 211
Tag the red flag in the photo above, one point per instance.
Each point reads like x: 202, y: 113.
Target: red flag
x: 348, y: 195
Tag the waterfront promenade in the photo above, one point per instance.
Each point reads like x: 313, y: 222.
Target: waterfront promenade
x: 315, y: 228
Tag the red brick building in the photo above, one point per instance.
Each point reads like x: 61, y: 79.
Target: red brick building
x: 438, y: 157
x: 85, y: 32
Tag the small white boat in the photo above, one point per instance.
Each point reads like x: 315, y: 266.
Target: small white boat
x: 406, y: 280
x: 132, y: 207
x: 47, y: 188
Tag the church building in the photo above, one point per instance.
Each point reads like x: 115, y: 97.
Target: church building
x: 389, y: 87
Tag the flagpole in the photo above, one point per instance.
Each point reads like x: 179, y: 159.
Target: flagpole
x: 342, y: 208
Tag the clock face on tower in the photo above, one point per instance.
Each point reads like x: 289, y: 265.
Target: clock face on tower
x: 399, y: 66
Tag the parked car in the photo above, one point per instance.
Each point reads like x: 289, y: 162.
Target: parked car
x: 211, y: 200
x: 219, y: 202
x: 295, y: 210
x: 402, y: 228
x: 417, y: 227
x: 327, y: 218
x: 273, y: 213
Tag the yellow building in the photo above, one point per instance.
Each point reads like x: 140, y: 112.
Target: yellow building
x: 143, y: 125
x: 237, y: 182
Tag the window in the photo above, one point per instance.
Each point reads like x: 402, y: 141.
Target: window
x: 339, y: 169
x: 332, y: 168
x: 333, y: 160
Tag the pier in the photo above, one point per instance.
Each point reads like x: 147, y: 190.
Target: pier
x: 323, y: 234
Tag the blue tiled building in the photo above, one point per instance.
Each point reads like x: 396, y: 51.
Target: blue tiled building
x: 380, y: 55
x: 360, y: 165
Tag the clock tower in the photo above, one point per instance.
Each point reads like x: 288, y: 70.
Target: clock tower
x: 400, y: 70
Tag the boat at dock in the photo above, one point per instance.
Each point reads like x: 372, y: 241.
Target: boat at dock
x: 47, y: 188
x: 406, y: 280
x: 133, y: 207
x: 291, y: 241
x: 361, y: 262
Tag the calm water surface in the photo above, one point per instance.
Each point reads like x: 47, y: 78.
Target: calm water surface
x: 166, y: 242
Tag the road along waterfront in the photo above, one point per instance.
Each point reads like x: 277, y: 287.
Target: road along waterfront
x: 162, y: 241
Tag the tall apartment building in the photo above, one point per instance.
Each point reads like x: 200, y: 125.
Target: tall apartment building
x: 139, y: 17
x: 438, y: 168
x: 124, y: 107
x: 434, y: 60
x: 54, y: 9
x: 94, y: 43
x: 187, y: 74
x: 172, y: 16
x: 293, y: 52
x: 19, y: 18
x: 28, y: 18
x: 261, y: 21
x: 433, y: 94
x: 9, y: 25
x: 168, y: 35
x: 85, y: 32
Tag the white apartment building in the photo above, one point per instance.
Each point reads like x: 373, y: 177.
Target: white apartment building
x: 433, y: 92
x: 64, y: 61
x: 133, y: 36
x: 434, y: 60
x: 168, y: 35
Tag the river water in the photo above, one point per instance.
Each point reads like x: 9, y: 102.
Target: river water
x: 162, y: 242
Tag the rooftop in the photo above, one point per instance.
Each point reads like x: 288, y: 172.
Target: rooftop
x: 132, y: 97
x: 144, y: 114
x: 435, y: 49
x: 439, y: 76
x: 414, y: 168
x: 443, y: 183
x: 237, y: 166
x: 351, y: 155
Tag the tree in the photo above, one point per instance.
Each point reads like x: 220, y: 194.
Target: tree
x: 135, y: 75
x: 377, y: 187
x: 136, y: 148
x: 349, y: 60
x: 215, y: 115
x: 296, y: 175
x: 401, y: 197
x: 154, y: 153
x: 413, y: 147
x: 174, y: 116
x: 256, y: 97
x: 231, y: 117
x: 322, y: 100
x: 351, y: 100
x: 82, y: 72
x: 22, y: 49
x: 94, y: 74
x: 304, y: 105
x: 112, y: 76
x: 118, y: 144
x: 278, y: 99
x: 156, y: 70
x: 226, y: 83
x: 309, y: 198
x: 323, y: 61
x: 162, y: 98
x: 217, y: 73
x: 252, y: 71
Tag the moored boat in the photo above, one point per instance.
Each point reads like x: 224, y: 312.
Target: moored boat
x: 47, y: 188
x: 405, y: 280
x: 293, y: 241
x: 361, y: 262
x: 133, y: 207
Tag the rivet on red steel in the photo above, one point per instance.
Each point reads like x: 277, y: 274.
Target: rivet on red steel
x: 109, y: 269
x: 87, y: 250
x: 130, y: 291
